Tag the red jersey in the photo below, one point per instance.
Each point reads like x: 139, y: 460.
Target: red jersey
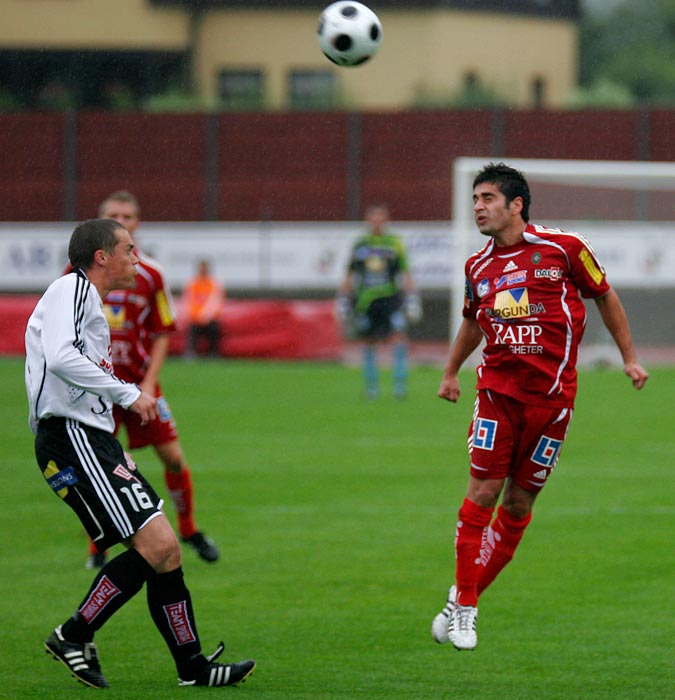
x: 137, y: 315
x: 526, y: 299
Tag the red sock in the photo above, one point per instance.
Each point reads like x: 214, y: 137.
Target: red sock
x: 93, y: 549
x: 473, y: 521
x: 501, y: 541
x: 180, y: 490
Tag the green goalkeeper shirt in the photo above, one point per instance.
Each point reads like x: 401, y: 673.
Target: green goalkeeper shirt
x: 377, y: 262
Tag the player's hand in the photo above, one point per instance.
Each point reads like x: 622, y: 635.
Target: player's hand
x: 449, y: 389
x: 637, y: 374
x: 146, y: 407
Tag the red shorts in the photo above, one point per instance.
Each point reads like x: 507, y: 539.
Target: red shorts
x: 508, y: 438
x: 157, y: 432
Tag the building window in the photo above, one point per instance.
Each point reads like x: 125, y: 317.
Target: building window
x: 538, y: 93
x: 313, y: 89
x: 241, y: 89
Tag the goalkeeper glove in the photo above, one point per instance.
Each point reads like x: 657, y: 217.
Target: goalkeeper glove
x: 413, y: 307
x: 343, y: 307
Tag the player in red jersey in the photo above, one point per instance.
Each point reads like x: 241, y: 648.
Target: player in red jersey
x: 140, y: 321
x: 524, y: 293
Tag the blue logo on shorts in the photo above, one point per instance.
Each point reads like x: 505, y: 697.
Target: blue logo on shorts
x: 546, y: 452
x: 484, y: 432
x: 61, y: 480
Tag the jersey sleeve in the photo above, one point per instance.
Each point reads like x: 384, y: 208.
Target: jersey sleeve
x: 585, y: 269
x: 162, y: 317
x: 63, y: 347
x: 470, y: 308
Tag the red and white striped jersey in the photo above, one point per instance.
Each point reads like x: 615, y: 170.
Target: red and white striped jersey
x: 527, y: 299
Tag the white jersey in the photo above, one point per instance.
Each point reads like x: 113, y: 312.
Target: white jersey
x: 69, y: 372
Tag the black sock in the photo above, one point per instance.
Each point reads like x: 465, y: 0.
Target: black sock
x: 116, y: 583
x: 171, y: 609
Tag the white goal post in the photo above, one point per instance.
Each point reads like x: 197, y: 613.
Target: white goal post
x: 614, y: 177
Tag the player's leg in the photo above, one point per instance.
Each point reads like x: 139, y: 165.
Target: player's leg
x: 505, y: 532
x: 367, y: 330
x: 536, y: 453
x: 399, y: 352
x: 163, y: 436
x: 86, y: 468
x: 490, y: 440
x: 370, y: 370
x: 170, y: 605
x: 399, y: 342
x: 178, y: 478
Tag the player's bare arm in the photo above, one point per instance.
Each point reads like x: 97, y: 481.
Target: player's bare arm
x: 615, y: 320
x: 467, y: 340
x: 158, y: 353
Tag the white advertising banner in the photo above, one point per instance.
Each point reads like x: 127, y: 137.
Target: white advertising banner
x: 309, y: 256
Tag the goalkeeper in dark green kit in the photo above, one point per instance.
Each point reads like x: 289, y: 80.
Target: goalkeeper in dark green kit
x: 378, y: 300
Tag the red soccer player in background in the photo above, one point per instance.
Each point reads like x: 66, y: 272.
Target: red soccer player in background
x: 140, y: 320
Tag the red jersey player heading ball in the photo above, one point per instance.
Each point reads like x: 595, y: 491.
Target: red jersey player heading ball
x: 524, y: 293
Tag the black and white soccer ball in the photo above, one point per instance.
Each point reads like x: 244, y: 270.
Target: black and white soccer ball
x: 349, y: 33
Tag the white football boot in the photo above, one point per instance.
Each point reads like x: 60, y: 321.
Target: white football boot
x: 442, y: 623
x: 462, y: 631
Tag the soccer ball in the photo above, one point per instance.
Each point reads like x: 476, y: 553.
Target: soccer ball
x: 349, y: 33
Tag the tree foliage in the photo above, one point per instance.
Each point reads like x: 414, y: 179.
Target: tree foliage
x: 633, y: 47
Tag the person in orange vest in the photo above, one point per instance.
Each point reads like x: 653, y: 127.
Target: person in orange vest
x: 203, y: 299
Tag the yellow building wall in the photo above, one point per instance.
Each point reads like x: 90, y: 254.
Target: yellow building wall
x: 91, y: 24
x: 422, y: 49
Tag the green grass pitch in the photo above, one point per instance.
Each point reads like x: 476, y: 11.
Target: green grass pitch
x: 335, y: 518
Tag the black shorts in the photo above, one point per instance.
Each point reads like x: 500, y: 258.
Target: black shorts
x: 90, y: 471
x: 382, y: 317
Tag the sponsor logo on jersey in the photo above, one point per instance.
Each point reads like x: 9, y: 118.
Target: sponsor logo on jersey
x: 115, y: 315
x: 482, y: 288
x: 60, y: 479
x: 512, y: 278
x: 375, y: 263
x: 595, y: 273
x: 510, y: 266
x: 555, y: 274
x: 482, y: 267
x: 514, y: 303
x: 106, y: 364
x: 521, y: 334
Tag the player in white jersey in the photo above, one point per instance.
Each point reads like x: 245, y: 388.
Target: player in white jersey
x: 71, y: 390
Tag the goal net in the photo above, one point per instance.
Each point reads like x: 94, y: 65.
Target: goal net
x: 625, y: 209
